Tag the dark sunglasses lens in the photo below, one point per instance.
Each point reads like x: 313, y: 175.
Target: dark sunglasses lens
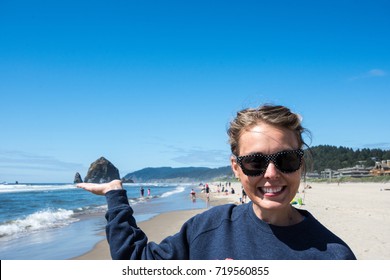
x: 289, y: 162
x: 254, y: 165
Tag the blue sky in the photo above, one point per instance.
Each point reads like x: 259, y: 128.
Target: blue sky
x: 155, y: 83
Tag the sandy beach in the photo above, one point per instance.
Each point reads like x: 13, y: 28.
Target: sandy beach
x: 359, y: 213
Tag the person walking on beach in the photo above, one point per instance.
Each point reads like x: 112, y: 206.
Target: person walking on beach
x: 142, y: 191
x: 193, y: 195
x: 243, y: 197
x: 267, y: 157
x: 207, y: 190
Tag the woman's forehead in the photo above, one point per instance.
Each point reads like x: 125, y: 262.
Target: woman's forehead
x: 267, y: 139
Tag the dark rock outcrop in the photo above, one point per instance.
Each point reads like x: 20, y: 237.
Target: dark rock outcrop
x: 126, y: 180
x: 77, y: 178
x: 101, y: 171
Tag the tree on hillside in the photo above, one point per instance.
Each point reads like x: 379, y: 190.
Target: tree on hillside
x: 325, y: 156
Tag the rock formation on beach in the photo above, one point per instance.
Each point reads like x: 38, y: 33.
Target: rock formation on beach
x: 77, y: 178
x: 126, y: 180
x: 101, y: 171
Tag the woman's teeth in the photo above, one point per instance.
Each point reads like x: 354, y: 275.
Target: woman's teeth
x: 271, y: 190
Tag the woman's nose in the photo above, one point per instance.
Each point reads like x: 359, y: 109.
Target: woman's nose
x: 272, y: 171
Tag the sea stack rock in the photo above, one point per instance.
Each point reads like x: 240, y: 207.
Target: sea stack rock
x: 77, y: 178
x: 125, y: 180
x: 101, y: 171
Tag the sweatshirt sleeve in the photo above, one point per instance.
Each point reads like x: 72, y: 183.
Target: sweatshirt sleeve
x: 127, y: 241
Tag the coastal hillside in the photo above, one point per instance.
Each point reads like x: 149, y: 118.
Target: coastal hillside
x: 325, y: 156
x: 181, y: 175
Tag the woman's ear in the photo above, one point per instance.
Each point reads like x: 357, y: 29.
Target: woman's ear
x: 235, y: 166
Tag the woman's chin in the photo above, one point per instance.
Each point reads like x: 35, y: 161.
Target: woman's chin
x: 267, y: 203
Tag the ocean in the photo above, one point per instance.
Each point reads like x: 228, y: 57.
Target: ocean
x: 60, y: 221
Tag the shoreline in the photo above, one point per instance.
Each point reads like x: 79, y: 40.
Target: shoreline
x: 358, y: 213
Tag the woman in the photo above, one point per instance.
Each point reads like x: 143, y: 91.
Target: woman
x: 267, y: 158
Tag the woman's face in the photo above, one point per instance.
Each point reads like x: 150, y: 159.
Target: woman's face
x: 273, y: 190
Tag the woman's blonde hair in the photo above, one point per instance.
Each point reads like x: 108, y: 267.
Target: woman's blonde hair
x: 275, y: 115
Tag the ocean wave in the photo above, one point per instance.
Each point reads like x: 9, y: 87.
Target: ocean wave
x: 34, y: 187
x: 92, y: 209
x: 179, y: 189
x: 37, y: 221
x: 136, y: 200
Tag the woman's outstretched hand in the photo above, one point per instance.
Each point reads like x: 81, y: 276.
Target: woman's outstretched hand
x: 101, y: 189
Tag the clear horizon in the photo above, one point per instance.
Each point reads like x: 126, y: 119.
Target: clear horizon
x: 151, y: 83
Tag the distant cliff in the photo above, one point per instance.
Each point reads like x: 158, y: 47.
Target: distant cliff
x: 179, y: 175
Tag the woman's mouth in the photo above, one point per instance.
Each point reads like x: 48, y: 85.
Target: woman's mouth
x: 272, y: 191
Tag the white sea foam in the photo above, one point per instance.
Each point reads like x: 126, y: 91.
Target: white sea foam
x: 11, y: 188
x: 37, y: 221
x: 179, y: 189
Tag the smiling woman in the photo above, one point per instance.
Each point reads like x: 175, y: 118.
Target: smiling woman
x: 266, y: 144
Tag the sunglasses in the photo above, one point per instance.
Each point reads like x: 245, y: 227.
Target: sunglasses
x: 256, y: 164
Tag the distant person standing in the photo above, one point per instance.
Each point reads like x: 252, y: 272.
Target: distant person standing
x: 243, y: 199
x: 142, y: 191
x: 207, y: 189
x: 193, y: 195
x: 149, y: 192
